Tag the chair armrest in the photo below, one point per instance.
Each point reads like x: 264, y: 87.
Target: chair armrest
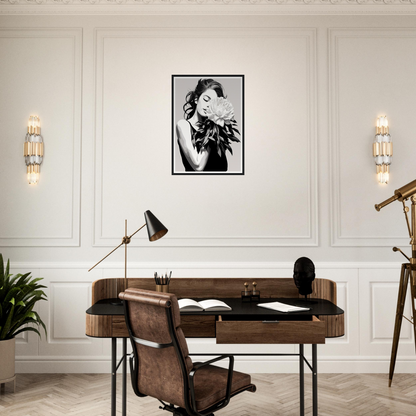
x: 198, y: 366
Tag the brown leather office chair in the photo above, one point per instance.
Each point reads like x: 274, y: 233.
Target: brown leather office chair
x: 160, y: 364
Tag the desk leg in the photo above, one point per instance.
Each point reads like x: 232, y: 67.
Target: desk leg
x: 301, y: 381
x: 124, y: 376
x: 113, y: 375
x: 315, y: 379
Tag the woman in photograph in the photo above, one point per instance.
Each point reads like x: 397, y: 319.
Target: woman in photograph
x: 208, y: 126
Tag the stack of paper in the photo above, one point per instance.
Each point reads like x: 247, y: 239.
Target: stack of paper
x: 282, y: 307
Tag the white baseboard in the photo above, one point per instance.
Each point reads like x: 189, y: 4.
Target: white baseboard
x: 63, y: 367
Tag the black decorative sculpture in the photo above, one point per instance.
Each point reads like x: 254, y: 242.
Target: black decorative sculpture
x: 304, y: 275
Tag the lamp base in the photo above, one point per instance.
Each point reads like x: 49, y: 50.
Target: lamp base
x: 115, y: 301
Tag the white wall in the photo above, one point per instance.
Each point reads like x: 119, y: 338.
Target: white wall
x: 101, y: 85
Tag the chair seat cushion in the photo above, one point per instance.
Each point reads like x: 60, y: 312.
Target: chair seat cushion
x: 211, y: 385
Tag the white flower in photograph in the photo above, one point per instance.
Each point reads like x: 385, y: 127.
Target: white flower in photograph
x: 220, y: 111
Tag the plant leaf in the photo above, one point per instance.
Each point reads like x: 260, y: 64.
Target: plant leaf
x: 3, y: 334
x: 1, y: 270
x: 18, y: 295
x: 27, y: 328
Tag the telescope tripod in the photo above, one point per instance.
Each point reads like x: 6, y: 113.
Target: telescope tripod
x: 405, y: 276
x: 408, y: 272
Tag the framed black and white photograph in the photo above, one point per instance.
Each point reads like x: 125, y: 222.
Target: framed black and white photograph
x: 208, y: 124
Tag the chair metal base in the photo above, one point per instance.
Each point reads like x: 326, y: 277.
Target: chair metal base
x: 177, y: 411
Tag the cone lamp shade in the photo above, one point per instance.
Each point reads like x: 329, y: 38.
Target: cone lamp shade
x: 155, y: 228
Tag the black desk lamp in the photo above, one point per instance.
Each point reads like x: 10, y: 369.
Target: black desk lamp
x: 155, y: 230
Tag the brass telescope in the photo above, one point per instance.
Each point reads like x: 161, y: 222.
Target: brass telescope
x: 400, y: 194
x: 403, y: 194
x: 408, y: 270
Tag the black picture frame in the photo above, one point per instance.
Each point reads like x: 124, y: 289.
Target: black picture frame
x: 233, y: 88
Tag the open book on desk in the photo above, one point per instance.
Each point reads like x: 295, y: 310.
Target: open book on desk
x: 209, y: 305
x: 282, y: 307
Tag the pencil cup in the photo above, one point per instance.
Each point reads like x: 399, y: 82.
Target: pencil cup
x: 162, y: 288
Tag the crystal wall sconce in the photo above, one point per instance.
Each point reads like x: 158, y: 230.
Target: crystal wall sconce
x: 382, y: 149
x: 33, y: 150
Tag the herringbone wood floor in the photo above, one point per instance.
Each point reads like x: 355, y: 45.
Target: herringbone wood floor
x: 277, y: 394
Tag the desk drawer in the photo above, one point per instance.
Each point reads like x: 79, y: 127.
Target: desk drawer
x: 198, y: 326
x: 281, y: 332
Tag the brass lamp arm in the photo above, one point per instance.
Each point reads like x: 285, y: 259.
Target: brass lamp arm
x: 144, y: 225
x: 126, y: 240
x: 112, y: 251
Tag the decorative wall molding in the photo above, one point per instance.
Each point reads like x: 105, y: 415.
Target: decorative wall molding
x: 211, y: 2
x: 208, y: 7
x: 72, y: 237
x: 338, y: 239
x: 233, y: 269
x: 64, y: 327
x: 377, y: 302
x: 310, y: 237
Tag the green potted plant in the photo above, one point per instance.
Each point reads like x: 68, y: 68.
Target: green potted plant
x: 18, y: 296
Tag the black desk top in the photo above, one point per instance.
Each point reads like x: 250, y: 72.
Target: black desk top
x: 239, y: 308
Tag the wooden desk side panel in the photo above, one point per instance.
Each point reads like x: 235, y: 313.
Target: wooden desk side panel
x: 324, y: 289
x: 334, y: 325
x: 99, y: 326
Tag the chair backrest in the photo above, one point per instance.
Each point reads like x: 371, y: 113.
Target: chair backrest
x: 161, y: 354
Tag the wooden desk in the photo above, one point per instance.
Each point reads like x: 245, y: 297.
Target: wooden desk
x: 239, y: 326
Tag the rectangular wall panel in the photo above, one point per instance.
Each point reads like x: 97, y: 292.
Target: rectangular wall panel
x: 69, y: 326
x: 69, y: 296
x: 40, y: 75
x: 362, y: 88
x: 133, y: 138
x: 378, y: 301
x: 383, y: 313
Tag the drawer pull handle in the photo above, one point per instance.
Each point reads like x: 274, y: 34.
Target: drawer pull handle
x: 270, y: 322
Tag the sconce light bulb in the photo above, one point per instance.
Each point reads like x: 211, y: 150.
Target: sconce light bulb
x: 33, y: 178
x: 383, y: 177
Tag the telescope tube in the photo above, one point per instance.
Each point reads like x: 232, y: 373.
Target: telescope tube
x: 400, y: 194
